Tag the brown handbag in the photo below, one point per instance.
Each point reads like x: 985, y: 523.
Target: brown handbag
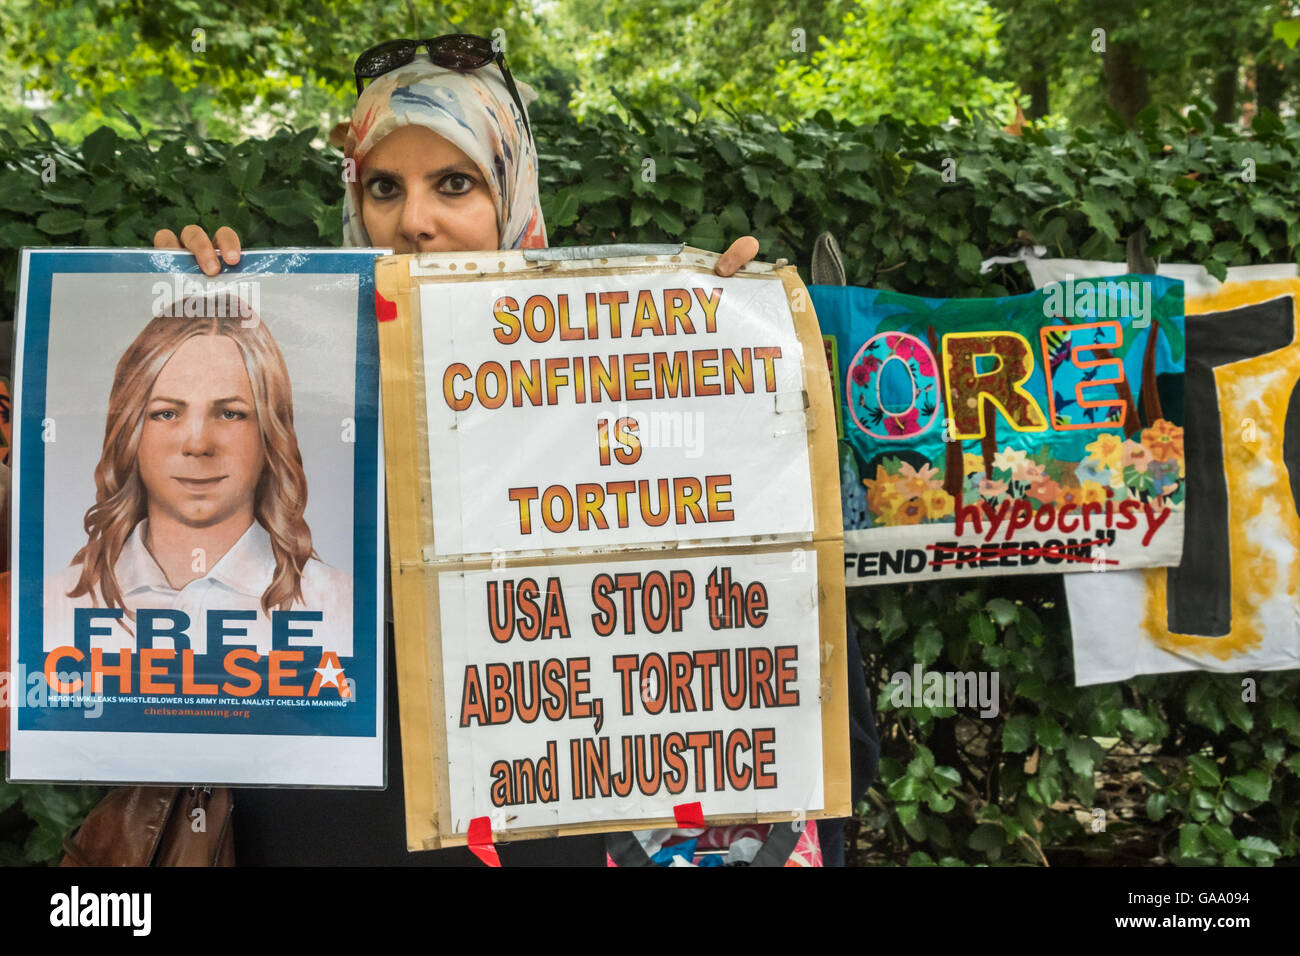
x: 155, y: 826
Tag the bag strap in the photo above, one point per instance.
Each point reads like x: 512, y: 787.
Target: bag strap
x: 780, y: 843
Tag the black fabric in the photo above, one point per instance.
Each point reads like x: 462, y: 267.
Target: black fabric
x: 287, y: 827
x: 1199, y: 594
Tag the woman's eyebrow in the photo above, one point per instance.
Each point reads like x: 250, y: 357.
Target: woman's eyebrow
x: 465, y: 168
x: 169, y: 401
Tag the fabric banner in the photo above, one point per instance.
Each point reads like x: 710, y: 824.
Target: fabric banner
x: 1230, y: 604
x: 197, y: 536
x: 1029, y: 434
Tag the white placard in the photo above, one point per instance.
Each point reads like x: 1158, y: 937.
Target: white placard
x: 738, y: 739
x: 698, y: 383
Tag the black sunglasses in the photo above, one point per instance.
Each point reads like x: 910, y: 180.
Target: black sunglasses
x: 452, y: 51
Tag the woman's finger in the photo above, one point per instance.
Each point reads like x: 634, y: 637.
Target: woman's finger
x: 165, y: 239
x: 197, y: 242
x: 739, y: 254
x: 228, y: 242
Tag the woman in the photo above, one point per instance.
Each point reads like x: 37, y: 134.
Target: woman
x: 200, y: 490
x: 444, y: 161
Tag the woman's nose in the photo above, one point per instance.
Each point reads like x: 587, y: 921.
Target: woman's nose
x: 419, y: 218
x: 197, y: 437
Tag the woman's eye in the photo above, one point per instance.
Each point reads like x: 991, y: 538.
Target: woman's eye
x: 381, y: 187
x: 458, y: 183
x: 231, y: 415
x: 164, y: 415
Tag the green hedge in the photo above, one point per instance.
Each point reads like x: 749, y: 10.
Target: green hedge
x: 1207, y: 777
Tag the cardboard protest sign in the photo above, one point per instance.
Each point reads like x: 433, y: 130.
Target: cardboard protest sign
x: 1230, y: 603
x: 196, y: 549
x: 615, y: 544
x: 1030, y: 434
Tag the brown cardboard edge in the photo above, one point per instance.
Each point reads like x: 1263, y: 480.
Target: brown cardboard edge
x: 415, y: 582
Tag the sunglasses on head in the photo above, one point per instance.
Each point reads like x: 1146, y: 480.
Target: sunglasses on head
x: 453, y: 51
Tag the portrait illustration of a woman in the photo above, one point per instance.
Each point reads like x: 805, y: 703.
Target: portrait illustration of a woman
x: 200, y: 492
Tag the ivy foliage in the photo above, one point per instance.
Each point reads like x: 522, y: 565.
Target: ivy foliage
x: 916, y: 209
x: 1194, y: 769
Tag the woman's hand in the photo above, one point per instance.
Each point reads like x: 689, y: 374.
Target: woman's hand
x: 196, y: 241
x: 738, y: 255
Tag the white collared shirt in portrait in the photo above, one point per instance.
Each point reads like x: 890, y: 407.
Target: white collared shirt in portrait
x: 236, y: 582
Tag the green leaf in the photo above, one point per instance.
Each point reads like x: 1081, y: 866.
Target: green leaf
x: 940, y: 803
x: 1157, y: 806
x: 1189, y: 839
x: 981, y: 628
x: 105, y: 195
x: 1048, y: 732
x: 1142, y: 726
x: 60, y: 222
x: 927, y: 644
x: 1258, y: 850
x: 1203, y: 708
x: 1219, y: 837
x: 1253, y: 784
x: 985, y: 837
x: 563, y: 210
x: 906, y: 812
x: 904, y: 788
x: 246, y: 172
x: 969, y: 258
x: 1204, y: 771
x: 892, y: 623
x: 1016, y: 734
x: 1288, y: 31
x: 1081, y: 754
x: 1002, y: 611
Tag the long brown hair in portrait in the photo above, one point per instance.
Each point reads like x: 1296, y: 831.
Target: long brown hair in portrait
x: 120, y: 496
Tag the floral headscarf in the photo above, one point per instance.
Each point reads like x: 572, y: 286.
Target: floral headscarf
x: 475, y: 112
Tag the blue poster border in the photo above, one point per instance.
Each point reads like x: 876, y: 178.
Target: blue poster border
x: 39, y: 266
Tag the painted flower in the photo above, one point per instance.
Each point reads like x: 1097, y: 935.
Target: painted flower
x: 1092, y: 493
x: 973, y: 464
x: 881, y: 485
x: 911, y: 511
x: 860, y: 373
x: 1009, y: 458
x: 903, y: 347
x: 1044, y: 490
x: 926, y: 473
x: 1107, y: 449
x: 1088, y: 472
x: 992, y: 489
x: 938, y: 503
x: 1137, y: 455
x: 902, y: 424
x: 887, y: 504
x: 911, y: 487
x: 1165, y: 440
x: 1070, y: 495
x: 1163, y: 472
x: 1027, y: 472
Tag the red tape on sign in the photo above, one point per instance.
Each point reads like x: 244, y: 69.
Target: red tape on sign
x: 689, y: 815
x: 480, y: 841
x: 385, y: 309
